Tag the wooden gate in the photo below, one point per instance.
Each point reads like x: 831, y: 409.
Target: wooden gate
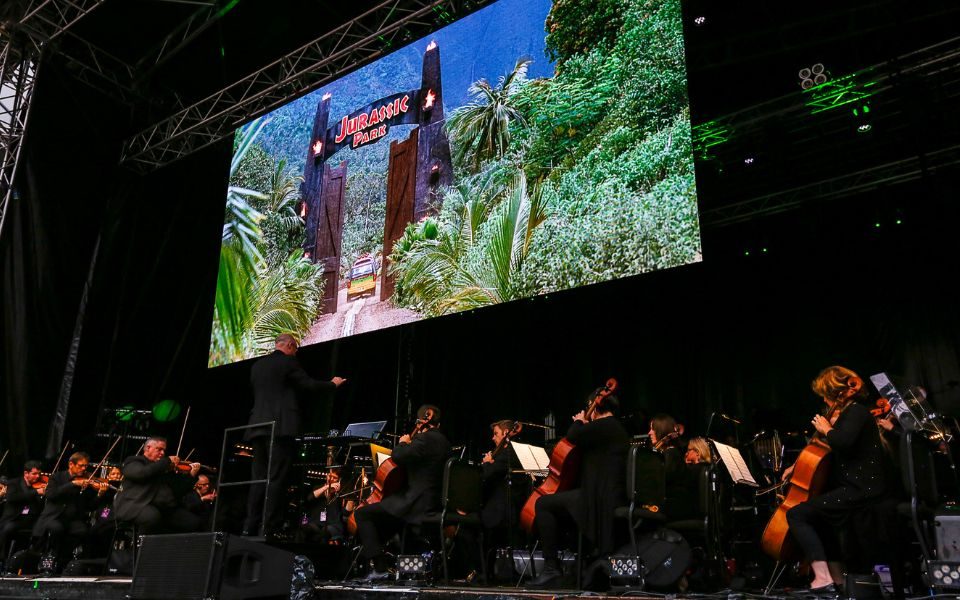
x: 401, y: 185
x: 330, y: 232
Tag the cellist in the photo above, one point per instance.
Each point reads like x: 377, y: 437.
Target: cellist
x: 422, y: 454
x: 857, y: 476
x: 603, y: 443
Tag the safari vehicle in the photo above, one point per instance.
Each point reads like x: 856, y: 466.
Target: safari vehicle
x: 362, y: 278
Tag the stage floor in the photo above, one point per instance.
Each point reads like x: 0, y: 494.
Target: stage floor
x: 118, y: 588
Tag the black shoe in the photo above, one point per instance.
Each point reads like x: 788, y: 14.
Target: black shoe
x: 373, y: 576
x: 826, y: 591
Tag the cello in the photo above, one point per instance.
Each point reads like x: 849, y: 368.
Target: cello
x: 390, y: 476
x: 564, y: 468
x: 809, y: 477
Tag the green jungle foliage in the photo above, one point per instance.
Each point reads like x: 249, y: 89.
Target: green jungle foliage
x: 603, y: 183
x: 265, y: 286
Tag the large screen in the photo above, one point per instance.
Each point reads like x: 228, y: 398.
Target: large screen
x: 531, y: 147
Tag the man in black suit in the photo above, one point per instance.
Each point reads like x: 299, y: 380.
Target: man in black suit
x: 151, y: 491
x: 277, y: 381
x: 200, y: 499
x: 65, y: 510
x: 423, y: 457
x: 23, y: 504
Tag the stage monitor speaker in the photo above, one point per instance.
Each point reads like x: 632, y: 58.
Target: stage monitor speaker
x: 947, y: 531
x: 219, y: 566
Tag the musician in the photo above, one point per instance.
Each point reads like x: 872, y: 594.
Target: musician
x: 149, y: 495
x: 603, y: 443
x: 497, y: 513
x: 23, y: 504
x: 69, y: 495
x: 277, y: 379
x: 423, y: 456
x: 199, y: 500
x: 857, y: 476
x: 698, y: 452
x: 681, y: 490
x: 324, y: 520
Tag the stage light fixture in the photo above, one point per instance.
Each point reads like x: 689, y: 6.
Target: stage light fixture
x: 411, y: 565
x: 625, y: 569
x: 812, y: 76
x: 700, y: 20
x: 862, y: 117
x: 944, y: 574
x: 748, y: 160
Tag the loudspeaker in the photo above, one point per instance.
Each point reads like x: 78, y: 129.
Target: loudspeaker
x: 665, y: 556
x: 947, y: 530
x: 210, y: 565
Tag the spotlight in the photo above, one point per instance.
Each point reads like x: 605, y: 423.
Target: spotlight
x: 864, y: 128
x: 413, y: 565
x: 701, y: 20
x: 813, y: 75
x: 748, y: 161
x: 944, y: 574
x: 862, y: 118
x: 626, y: 569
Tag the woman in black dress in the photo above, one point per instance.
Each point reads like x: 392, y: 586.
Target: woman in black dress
x: 857, y: 475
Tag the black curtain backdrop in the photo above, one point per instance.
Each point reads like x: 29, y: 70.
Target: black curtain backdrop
x: 737, y: 334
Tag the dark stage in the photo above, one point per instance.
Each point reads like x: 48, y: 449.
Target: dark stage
x: 707, y: 201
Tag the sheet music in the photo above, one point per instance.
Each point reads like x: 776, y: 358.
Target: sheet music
x: 736, y: 466
x: 532, y: 458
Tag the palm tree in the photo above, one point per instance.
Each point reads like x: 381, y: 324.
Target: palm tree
x: 438, y: 277
x: 281, y: 223
x: 481, y: 130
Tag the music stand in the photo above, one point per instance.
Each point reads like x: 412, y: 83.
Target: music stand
x: 368, y: 429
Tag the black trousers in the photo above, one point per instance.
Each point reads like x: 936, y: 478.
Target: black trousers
x: 280, y: 462
x: 555, y: 514
x: 9, y: 527
x: 819, y: 524
x: 374, y: 527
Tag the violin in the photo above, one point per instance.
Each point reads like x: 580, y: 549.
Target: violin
x: 41, y: 482
x: 564, y: 468
x: 185, y: 468
x: 677, y: 432
x: 882, y: 410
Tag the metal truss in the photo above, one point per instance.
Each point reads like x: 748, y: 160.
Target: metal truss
x: 44, y: 20
x: 939, y: 64
x: 357, y: 42
x: 179, y: 38
x: 20, y: 46
x: 17, y: 76
x: 892, y: 173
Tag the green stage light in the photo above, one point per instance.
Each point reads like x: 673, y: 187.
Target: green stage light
x: 125, y: 413
x: 166, y: 410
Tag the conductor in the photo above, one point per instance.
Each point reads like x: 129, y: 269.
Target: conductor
x: 278, y: 380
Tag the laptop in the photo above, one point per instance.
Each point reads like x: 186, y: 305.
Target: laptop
x: 370, y: 429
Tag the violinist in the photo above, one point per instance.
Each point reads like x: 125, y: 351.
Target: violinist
x: 200, y: 499
x: 324, y: 519
x: 423, y: 455
x: 148, y: 496
x: 23, y: 503
x: 857, y: 478
x: 665, y: 435
x: 68, y: 495
x: 603, y: 443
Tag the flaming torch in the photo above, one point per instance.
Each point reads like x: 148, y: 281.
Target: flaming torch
x: 428, y: 101
x: 432, y: 46
x: 317, y: 148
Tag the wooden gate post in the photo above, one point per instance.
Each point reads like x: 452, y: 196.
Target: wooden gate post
x: 330, y: 232
x: 401, y: 174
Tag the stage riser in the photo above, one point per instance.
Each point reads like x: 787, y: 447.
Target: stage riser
x: 64, y: 590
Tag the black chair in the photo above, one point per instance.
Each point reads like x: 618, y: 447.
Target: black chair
x: 646, y: 491
x: 461, y: 498
x: 704, y: 527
